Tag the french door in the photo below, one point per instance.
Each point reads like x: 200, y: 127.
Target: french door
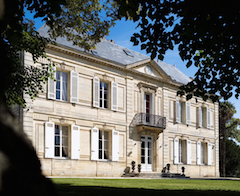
x: 146, y: 153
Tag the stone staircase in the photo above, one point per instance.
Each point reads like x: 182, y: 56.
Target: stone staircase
x: 154, y: 175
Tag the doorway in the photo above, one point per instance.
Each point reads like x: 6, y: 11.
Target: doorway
x: 146, y: 153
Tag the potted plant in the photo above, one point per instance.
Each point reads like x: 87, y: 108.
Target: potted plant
x: 168, y: 168
x: 133, y: 166
x: 139, y: 168
x: 183, y: 170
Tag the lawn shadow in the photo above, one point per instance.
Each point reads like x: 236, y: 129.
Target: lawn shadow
x: 69, y: 190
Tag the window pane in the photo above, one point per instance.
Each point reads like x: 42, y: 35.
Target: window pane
x: 105, y: 86
x: 65, y: 141
x: 106, y: 145
x: 100, y: 134
x: 143, y: 160
x: 100, y: 85
x: 57, y: 94
x: 149, y: 160
x: 100, y: 154
x: 105, y: 135
x: 143, y: 144
x: 58, y: 85
x: 57, y: 129
x: 100, y: 94
x: 142, y: 152
x: 105, y: 103
x: 64, y: 95
x: 105, y: 154
x: 64, y: 151
x: 65, y: 130
x: 64, y: 76
x: 57, y: 151
x: 100, y: 144
x: 105, y: 95
x: 57, y: 140
x: 58, y: 75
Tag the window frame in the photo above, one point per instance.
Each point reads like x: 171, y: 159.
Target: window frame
x: 102, y: 99
x: 103, y: 149
x: 61, y: 86
x: 60, y: 144
x: 182, y: 151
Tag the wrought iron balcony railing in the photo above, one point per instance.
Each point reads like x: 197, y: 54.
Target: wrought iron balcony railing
x: 148, y: 120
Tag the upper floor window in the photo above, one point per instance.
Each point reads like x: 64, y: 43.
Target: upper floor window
x: 104, y: 97
x: 183, y: 112
x: 204, y: 117
x: 64, y: 88
x: 105, y: 94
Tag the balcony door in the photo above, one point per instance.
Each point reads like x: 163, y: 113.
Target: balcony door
x: 146, y: 153
x: 147, y: 106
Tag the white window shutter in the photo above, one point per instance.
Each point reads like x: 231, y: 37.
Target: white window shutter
x: 188, y: 113
x: 199, y: 116
x: 114, y: 96
x: 96, y: 89
x: 189, y: 152
x: 115, y: 145
x: 75, y: 142
x: 49, y: 139
x: 208, y: 118
x: 209, y: 152
x: 177, y: 110
x: 94, y: 144
x: 198, y: 153
x: 52, y: 85
x: 74, y: 87
x: 176, y: 150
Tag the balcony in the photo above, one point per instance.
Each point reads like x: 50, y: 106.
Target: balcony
x: 150, y: 121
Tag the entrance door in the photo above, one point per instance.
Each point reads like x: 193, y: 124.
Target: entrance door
x: 146, y: 153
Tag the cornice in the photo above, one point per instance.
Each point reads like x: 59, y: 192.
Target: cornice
x: 110, y: 63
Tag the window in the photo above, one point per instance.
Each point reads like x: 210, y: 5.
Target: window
x: 183, y: 112
x: 61, y: 141
x: 204, y: 117
x: 128, y: 53
x: 204, y: 153
x: 59, y: 90
x: 103, y: 145
x: 182, y: 151
x: 61, y: 85
x: 105, y: 94
x: 103, y: 100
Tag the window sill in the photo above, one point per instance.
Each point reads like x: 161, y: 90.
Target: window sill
x: 61, y: 158
x: 104, y: 160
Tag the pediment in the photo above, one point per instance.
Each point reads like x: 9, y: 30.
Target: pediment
x: 150, y: 69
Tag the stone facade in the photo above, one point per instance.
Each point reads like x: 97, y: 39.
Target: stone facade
x: 91, y: 137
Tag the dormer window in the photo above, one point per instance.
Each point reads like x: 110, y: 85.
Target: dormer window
x: 94, y: 52
x: 128, y: 53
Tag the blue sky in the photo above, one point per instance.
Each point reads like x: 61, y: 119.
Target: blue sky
x: 121, y: 34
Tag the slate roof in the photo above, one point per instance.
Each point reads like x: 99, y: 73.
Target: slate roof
x: 110, y: 51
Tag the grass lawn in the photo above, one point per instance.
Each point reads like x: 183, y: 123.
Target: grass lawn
x: 142, y: 187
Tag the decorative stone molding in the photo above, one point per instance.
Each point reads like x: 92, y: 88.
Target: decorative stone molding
x: 105, y: 77
x: 147, y: 87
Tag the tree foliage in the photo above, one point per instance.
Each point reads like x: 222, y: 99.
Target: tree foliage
x: 206, y: 34
x: 83, y: 22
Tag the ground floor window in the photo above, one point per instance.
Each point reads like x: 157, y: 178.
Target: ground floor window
x: 203, y: 159
x: 61, y: 141
x: 182, y: 151
x: 103, y: 145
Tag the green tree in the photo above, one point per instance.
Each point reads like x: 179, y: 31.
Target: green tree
x: 206, y: 34
x: 83, y: 22
x: 226, y: 112
x: 232, y: 158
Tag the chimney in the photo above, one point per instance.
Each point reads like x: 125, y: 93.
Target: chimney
x: 112, y: 41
